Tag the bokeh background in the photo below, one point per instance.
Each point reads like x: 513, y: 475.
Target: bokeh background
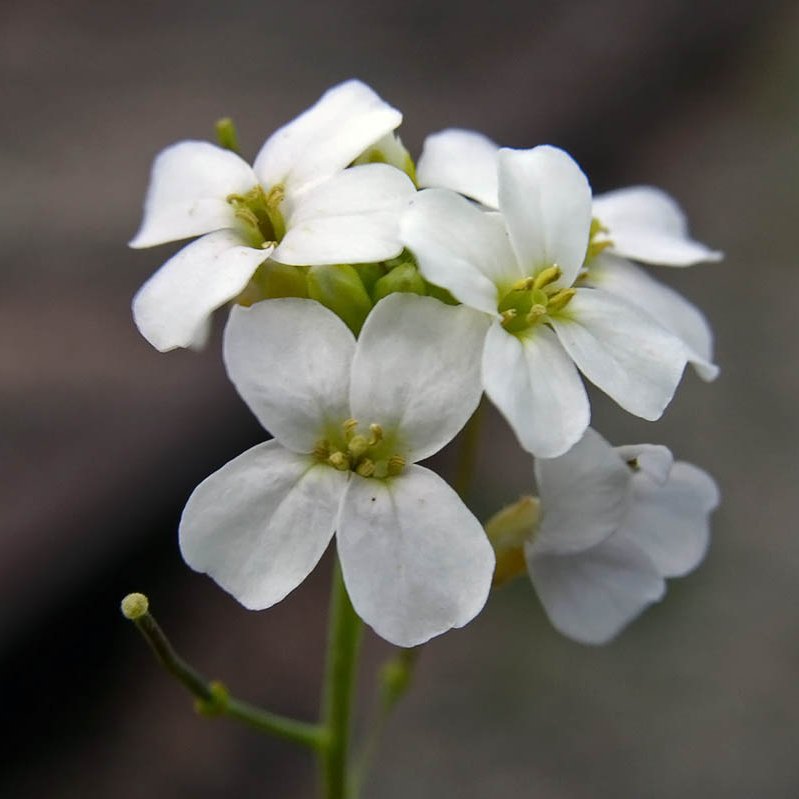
x: 103, y: 438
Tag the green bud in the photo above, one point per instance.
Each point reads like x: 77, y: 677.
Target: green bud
x: 272, y: 280
x: 226, y: 134
x: 134, y: 606
x: 370, y: 274
x: 339, y: 288
x: 442, y: 295
x: 404, y: 278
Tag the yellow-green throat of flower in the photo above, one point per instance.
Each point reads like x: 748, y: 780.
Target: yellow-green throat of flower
x: 258, y: 213
x: 372, y: 455
x: 530, y: 301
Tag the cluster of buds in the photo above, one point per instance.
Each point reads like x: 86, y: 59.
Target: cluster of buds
x: 374, y: 301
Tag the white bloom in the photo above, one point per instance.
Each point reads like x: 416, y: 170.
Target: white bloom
x: 519, y: 266
x: 614, y: 523
x: 298, y: 204
x: 350, y: 420
x: 639, y: 222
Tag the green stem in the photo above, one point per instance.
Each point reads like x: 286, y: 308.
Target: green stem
x: 344, y: 636
x: 470, y: 440
x: 212, y: 698
x: 394, y: 679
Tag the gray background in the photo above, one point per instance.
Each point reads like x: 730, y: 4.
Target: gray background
x: 102, y: 438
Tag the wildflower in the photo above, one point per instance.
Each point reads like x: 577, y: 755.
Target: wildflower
x: 639, y: 222
x: 612, y: 524
x: 519, y: 266
x: 350, y: 420
x: 297, y: 204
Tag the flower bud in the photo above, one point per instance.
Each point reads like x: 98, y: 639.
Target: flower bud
x: 403, y: 278
x: 508, y: 530
x: 339, y: 288
x: 272, y: 280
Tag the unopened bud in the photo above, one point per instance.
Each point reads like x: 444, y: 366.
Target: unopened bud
x: 339, y: 288
x: 134, y: 606
x: 402, y: 279
x: 272, y: 280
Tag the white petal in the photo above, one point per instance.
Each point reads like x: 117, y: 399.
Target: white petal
x: 654, y: 460
x: 416, y: 370
x: 663, y: 304
x: 622, y: 351
x: 591, y: 596
x: 172, y: 308
x: 351, y: 218
x: 325, y: 138
x: 670, y: 522
x: 461, y: 160
x: 290, y: 361
x: 460, y: 247
x: 546, y: 201
x: 535, y: 385
x: 584, y: 496
x: 259, y: 525
x: 415, y: 560
x: 188, y: 186
x: 646, y: 224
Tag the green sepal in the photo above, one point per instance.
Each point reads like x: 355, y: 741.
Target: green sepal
x: 339, y: 288
x: 403, y: 278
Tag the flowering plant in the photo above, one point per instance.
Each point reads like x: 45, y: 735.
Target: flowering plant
x: 372, y: 303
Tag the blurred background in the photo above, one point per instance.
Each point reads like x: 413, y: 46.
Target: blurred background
x: 103, y: 438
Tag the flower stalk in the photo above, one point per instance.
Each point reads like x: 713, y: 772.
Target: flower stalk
x: 344, y: 638
x: 212, y: 698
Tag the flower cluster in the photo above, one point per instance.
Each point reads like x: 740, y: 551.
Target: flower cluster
x: 373, y: 302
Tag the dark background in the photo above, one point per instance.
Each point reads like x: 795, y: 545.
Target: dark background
x: 103, y: 438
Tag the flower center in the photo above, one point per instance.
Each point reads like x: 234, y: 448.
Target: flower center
x: 372, y: 455
x: 258, y: 213
x: 533, y: 300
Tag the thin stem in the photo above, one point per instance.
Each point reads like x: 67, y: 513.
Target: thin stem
x: 212, y: 698
x: 344, y: 636
x: 394, y: 679
x: 470, y: 440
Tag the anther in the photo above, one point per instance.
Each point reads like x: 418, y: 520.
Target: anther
x: 321, y: 450
x: 535, y: 313
x: 349, y: 427
x: 557, y: 302
x: 366, y: 468
x: 338, y: 460
x: 547, y: 276
x: 396, y: 463
x: 523, y: 285
x: 377, y: 434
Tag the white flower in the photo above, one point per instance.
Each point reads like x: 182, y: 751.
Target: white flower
x: 639, y: 222
x: 614, y: 523
x: 519, y: 266
x: 298, y: 204
x: 350, y: 420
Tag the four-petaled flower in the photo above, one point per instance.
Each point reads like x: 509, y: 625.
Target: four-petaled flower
x: 614, y: 522
x: 519, y: 266
x: 349, y: 419
x: 639, y: 222
x: 298, y: 204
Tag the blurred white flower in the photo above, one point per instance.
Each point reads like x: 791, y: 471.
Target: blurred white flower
x: 519, y: 267
x: 297, y: 204
x: 613, y: 524
x: 640, y: 222
x: 350, y: 420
